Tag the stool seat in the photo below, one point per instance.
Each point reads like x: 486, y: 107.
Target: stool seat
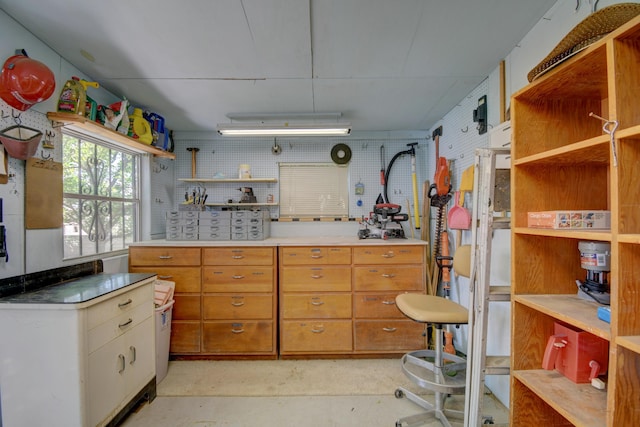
x: 432, y: 309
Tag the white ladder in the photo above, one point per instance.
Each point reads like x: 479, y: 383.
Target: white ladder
x: 481, y: 292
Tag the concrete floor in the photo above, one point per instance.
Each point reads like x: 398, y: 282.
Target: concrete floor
x: 181, y: 406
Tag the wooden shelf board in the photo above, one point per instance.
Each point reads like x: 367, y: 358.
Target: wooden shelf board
x: 594, y: 150
x: 569, y: 309
x: 241, y: 204
x: 223, y: 180
x: 581, y: 404
x: 602, y: 235
x: 629, y: 238
x: 629, y: 342
x: 83, y: 125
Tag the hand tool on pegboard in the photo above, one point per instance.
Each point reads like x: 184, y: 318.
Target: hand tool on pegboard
x: 193, y: 150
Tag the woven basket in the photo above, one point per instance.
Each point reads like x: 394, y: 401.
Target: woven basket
x: 587, y: 32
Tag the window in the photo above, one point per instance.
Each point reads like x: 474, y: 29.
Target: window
x: 101, y: 202
x: 313, y: 190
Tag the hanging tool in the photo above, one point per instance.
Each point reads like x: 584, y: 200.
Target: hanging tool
x: 444, y: 265
x: 382, y: 165
x: 439, y: 192
x: 193, y: 150
x: 412, y: 152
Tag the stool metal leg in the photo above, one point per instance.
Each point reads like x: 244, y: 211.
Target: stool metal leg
x: 441, y: 383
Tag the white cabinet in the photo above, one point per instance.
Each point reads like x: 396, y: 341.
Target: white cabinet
x: 77, y: 364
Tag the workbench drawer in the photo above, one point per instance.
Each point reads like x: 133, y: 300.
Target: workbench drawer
x: 186, y: 307
x: 376, y: 306
x: 305, y: 279
x: 389, y: 278
x: 238, y: 256
x: 316, y: 306
x: 237, y: 279
x: 185, y: 337
x: 317, y: 336
x: 187, y: 279
x: 315, y: 255
x: 237, y: 337
x: 389, y: 335
x: 391, y: 254
x: 163, y: 256
x: 238, y: 306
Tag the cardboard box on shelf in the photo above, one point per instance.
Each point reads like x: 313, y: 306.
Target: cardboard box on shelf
x: 570, y: 220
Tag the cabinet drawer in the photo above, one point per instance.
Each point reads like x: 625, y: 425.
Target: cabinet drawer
x: 121, y: 304
x: 391, y: 335
x: 238, y: 256
x: 163, y: 256
x: 376, y: 306
x: 389, y: 278
x: 187, y: 279
x: 314, y: 306
x: 315, y: 255
x: 237, y: 337
x: 316, y: 336
x: 315, y: 279
x: 238, y: 306
x: 185, y: 337
x: 112, y: 328
x: 237, y: 279
x: 186, y: 307
x: 391, y: 254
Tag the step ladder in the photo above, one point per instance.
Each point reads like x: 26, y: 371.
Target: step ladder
x: 481, y: 292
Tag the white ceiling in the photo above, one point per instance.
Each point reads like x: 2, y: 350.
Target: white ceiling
x: 384, y: 64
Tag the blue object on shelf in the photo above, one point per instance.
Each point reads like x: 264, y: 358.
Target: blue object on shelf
x: 604, y: 313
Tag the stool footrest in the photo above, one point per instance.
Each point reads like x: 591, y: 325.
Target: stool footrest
x: 448, y: 379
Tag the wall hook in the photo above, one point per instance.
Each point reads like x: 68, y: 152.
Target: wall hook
x: 5, y: 115
x: 465, y: 130
x: 16, y: 118
x: 47, y: 157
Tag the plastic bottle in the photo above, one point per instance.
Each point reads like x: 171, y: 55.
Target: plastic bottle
x: 139, y: 127
x: 73, y: 96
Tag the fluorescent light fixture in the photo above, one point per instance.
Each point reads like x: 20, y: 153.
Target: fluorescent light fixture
x: 287, y: 129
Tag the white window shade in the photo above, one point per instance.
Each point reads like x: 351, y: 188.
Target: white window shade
x: 314, y: 190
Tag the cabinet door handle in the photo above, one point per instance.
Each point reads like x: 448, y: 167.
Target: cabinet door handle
x: 127, y: 323
x: 165, y: 257
x: 132, y: 349
x: 237, y: 303
x: 389, y: 329
x: 239, y: 276
x: 237, y: 331
x: 316, y: 256
x: 316, y: 276
x: 317, y: 303
x: 122, y: 363
x: 317, y: 330
x: 388, y: 276
x: 126, y: 303
x: 165, y: 277
x: 388, y: 255
x: 389, y: 302
x: 237, y: 256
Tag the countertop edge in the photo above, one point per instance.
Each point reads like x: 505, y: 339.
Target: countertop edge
x: 284, y: 241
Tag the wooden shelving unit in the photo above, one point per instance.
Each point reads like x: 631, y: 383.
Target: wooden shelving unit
x: 86, y: 126
x: 563, y: 159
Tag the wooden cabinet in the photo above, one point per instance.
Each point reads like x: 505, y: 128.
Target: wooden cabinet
x: 78, y: 364
x: 225, y: 303
x: 183, y: 266
x: 563, y: 160
x: 341, y: 300
x: 239, y: 303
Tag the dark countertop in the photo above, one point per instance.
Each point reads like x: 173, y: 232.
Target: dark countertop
x: 79, y: 290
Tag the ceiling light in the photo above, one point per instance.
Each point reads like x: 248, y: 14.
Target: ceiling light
x: 286, y: 129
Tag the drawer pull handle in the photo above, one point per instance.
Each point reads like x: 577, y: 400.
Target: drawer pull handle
x: 389, y: 302
x: 388, y: 276
x: 126, y: 303
x: 127, y: 323
x: 316, y: 276
x: 237, y: 257
x: 122, y: 363
x: 165, y: 277
x: 318, y: 330
x: 165, y: 256
x: 316, y: 256
x: 238, y: 276
x: 389, y: 329
x: 317, y: 303
x: 388, y: 255
x: 237, y: 303
x: 132, y: 349
x: 237, y: 331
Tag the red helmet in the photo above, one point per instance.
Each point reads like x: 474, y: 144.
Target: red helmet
x: 25, y: 82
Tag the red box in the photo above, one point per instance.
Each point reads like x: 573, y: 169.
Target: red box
x: 576, y: 354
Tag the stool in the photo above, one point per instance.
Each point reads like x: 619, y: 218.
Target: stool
x: 446, y: 375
